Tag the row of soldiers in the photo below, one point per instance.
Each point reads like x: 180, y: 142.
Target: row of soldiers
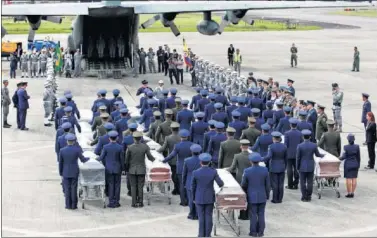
x: 35, y: 63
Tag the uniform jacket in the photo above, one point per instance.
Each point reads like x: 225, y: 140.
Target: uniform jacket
x: 259, y: 122
x: 371, y: 132
x: 321, y: 126
x: 141, y: 90
x: 312, y: 117
x: 184, y: 118
x: 268, y: 115
x: 194, y: 101
x: 115, y: 99
x: 292, y: 139
x: 168, y: 146
x: 305, y: 125
x: 276, y: 157
x: 367, y: 107
x: 68, y: 164
x: 250, y: 134
x: 304, y: 157
x: 239, y: 126
x: 256, y: 103
x: 202, y: 185
x: 201, y: 104
x: 182, y: 151
x: 256, y: 184
x: 101, y: 100
x: 135, y: 158
x: 198, y: 129
x: 245, y: 112
x: 350, y: 155
x: 163, y: 130
x: 262, y: 144
x: 75, y: 110
x: 222, y: 99
x: 120, y: 126
x: 72, y: 119
x: 209, y: 109
x: 228, y: 149
x: 23, y: 99
x: 190, y: 165
x: 207, y: 138
x: 153, y: 129
x: 146, y: 118
x: 112, y: 157
x: 214, y: 145
x: 239, y: 164
x: 170, y: 102
x: 102, y: 141
x: 278, y: 114
x: 284, y: 125
x: 5, y: 99
x: 229, y: 110
x: 331, y: 142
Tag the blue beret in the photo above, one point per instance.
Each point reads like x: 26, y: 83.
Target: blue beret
x: 66, y: 125
x: 102, y: 91
x: 173, y: 90
x: 255, y: 110
x: 255, y: 157
x: 62, y: 100
x: 113, y: 133
x: 70, y: 137
x: 198, y: 89
x: 212, y: 96
x: 269, y: 103
x: 165, y: 91
x: 311, y: 102
x: 117, y: 103
x: 293, y: 120
x: 365, y: 95
x: 205, y: 157
x: 68, y: 95
x: 211, y: 122
x: 218, y: 105
x: 265, y: 127
x: 123, y: 110
x: 241, y: 99
x: 233, y: 99
x: 185, y: 102
x: 351, y: 137
x: 151, y: 101
x: 149, y: 93
x: 116, y: 91
x: 279, y: 103
x: 203, y: 92
x: 219, y: 125
x: 195, y: 148
x: 68, y: 109
x: 184, y: 133
x: 276, y: 134
x: 302, y: 113
x: 236, y: 113
x: 108, y: 126
x: 67, y: 92
x: 200, y: 114
x: 219, y: 90
x: 122, y: 105
x: 306, y: 132
x: 287, y: 109
x: 132, y: 125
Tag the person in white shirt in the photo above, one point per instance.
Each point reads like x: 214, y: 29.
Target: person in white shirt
x: 158, y: 90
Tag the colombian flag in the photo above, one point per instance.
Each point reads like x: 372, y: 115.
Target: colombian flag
x: 186, y: 53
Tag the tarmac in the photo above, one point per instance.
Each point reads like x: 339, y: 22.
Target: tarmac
x: 32, y: 198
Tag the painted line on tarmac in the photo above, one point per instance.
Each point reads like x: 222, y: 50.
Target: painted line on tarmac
x: 28, y: 149
x: 352, y: 232
x: 30, y: 233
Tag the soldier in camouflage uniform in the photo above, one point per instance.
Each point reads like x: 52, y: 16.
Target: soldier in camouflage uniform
x: 330, y: 140
x: 43, y: 62
x: 151, y: 63
x: 337, y: 96
x: 25, y: 65
x: 321, y: 122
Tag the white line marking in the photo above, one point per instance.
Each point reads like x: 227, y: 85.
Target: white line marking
x: 27, y: 149
x: 352, y: 232
x: 32, y: 233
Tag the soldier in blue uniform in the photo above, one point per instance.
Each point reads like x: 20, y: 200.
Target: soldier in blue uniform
x: 202, y: 102
x: 312, y: 117
x: 198, y: 129
x: 116, y: 98
x: 268, y: 114
x: 220, y: 97
x: 303, y: 124
x: 259, y: 121
x: 256, y: 102
x: 256, y: 184
x: 59, y: 113
x: 102, y: 99
x: 209, y: 109
x: 112, y: 157
x: 245, y: 111
x: 170, y: 102
x: 290, y: 86
x: 220, y: 115
x: 278, y: 113
x: 204, y: 194
x: 72, y: 119
x: 103, y: 140
x: 238, y: 125
x: 71, y: 103
x: 249, y: 95
x: 143, y: 87
x: 69, y: 170
x: 232, y: 107
x: 22, y: 105
x: 277, y: 160
x: 292, y: 139
x: 115, y: 110
x: 122, y: 124
x: 145, y: 104
x: 147, y: 115
x: 185, y: 117
x: 190, y: 165
x: 214, y: 143
x: 207, y: 136
x: 306, y: 164
x: 182, y: 151
x: 195, y: 99
x: 284, y: 125
x: 263, y: 141
x: 143, y: 98
x: 61, y: 142
x: 60, y: 131
x: 162, y: 101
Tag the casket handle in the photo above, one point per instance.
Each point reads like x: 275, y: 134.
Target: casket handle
x: 231, y: 199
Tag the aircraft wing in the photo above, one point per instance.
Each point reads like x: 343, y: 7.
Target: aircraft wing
x: 147, y: 7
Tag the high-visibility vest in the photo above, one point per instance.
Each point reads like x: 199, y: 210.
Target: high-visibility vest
x: 237, y: 58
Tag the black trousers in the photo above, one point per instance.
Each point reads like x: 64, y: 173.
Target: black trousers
x: 230, y: 60
x: 193, y: 80
x: 306, y: 184
x: 292, y: 173
x: 371, y: 153
x: 175, y: 178
x: 161, y: 67
x: 180, y: 75
x: 142, y: 69
x: 173, y: 72
x: 166, y: 68
x: 277, y: 180
x: 137, y: 184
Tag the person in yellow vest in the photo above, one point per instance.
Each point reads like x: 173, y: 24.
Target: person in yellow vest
x: 237, y: 59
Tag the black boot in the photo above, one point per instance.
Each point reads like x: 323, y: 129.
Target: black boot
x: 6, y: 124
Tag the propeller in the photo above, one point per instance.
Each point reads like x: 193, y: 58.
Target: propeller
x: 150, y: 21
x: 166, y: 19
x: 31, y: 35
x: 3, y: 31
x: 234, y: 17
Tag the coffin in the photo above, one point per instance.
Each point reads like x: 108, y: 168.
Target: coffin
x: 83, y: 139
x: 92, y: 172
x: 153, y: 145
x: 86, y: 115
x: 328, y: 166
x: 85, y: 127
x: 156, y: 170
x: 232, y: 195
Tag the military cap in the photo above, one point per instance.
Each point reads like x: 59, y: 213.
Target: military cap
x: 66, y: 125
x: 123, y: 110
x: 269, y: 103
x: 68, y: 109
x: 241, y: 99
x: 151, y: 101
x: 102, y: 107
x: 233, y: 99
x: 255, y: 157
x: 113, y: 133
x: 290, y: 81
x: 350, y: 137
x: 198, y: 89
x: 199, y: 114
x: 168, y: 111
x: 157, y: 113
x: 259, y: 80
x: 178, y: 100
x: 205, y: 157
x: 102, y: 91
x: 62, y: 100
x: 306, y: 132
x: 218, y: 105
x: 149, y: 93
x: 245, y: 142
x: 219, y: 90
x: 137, y: 134
x: 211, y: 122
x: 250, y: 90
x: 287, y: 109
x: 174, y: 125
x: 304, y: 103
x: 132, y: 126
x: 68, y: 96
x: 252, y: 119
x: 144, y: 82
x: 310, y: 102
x: 212, y: 96
x: 160, y: 81
x: 184, y: 133
x: 230, y: 129
x: 108, y: 126
x: 116, y: 91
x: 335, y: 85
x: 20, y: 83
x: 5, y: 81
x: 293, y: 121
x: 365, y: 95
x: 195, y: 148
x: 173, y: 91
x: 219, y: 125
x: 203, y: 92
x: 70, y: 137
x: 330, y: 122
x: 236, y: 113
x: 255, y: 110
x: 265, y: 127
x: 185, y: 102
x: 321, y: 106
x: 302, y: 113
x: 251, y: 73
x: 117, y: 103
x: 165, y: 91
x: 276, y: 134
x: 279, y: 103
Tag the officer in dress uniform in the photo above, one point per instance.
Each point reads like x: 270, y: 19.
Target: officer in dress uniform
x: 61, y: 142
x: 153, y: 127
x: 210, y: 109
x: 102, y: 99
x: 162, y: 101
x: 305, y: 165
x: 220, y: 115
x: 284, y: 125
x: 337, y: 100
x: 144, y: 86
x: 116, y: 98
x: 278, y: 114
x: 185, y: 117
x: 290, y: 87
x: 59, y: 113
x: 190, y: 165
x: 198, y: 129
x: 202, y: 187
x: 330, y: 141
x: 263, y: 141
x: 182, y: 151
x: 214, y: 143
x: 276, y: 159
x: 312, y: 117
x: 292, y: 139
x: 115, y: 114
x: 232, y: 107
x: 251, y: 133
x: 121, y: 125
x: 69, y: 170
x: 167, y: 148
x: 177, y: 108
x: 245, y: 111
x: 202, y: 102
x: 71, y: 103
x: 255, y: 101
x: 23, y: 105
x: 268, y: 114
x: 136, y: 168
x: 238, y: 125
x: 163, y: 130
x: 112, y: 157
x: 207, y: 136
x: 102, y: 137
x: 321, y: 126
x: 144, y: 101
x: 303, y: 124
x: 256, y: 184
x: 195, y: 99
x: 170, y: 102
x: 71, y: 118
x: 228, y: 149
x: 220, y: 98
x: 367, y: 107
x: 147, y: 115
x: 259, y: 121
